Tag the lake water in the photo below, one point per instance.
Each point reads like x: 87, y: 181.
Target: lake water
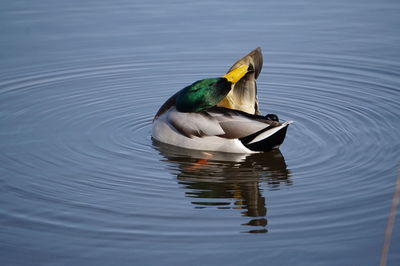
x: 82, y: 183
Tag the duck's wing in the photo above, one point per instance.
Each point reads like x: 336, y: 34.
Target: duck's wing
x: 243, y: 95
x: 219, y: 121
x: 255, y: 132
x: 193, y: 124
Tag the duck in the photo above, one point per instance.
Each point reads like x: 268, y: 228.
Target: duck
x: 221, y: 114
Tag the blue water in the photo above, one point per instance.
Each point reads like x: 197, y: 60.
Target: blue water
x: 82, y: 182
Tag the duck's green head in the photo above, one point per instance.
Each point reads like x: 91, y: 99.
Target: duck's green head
x: 207, y: 93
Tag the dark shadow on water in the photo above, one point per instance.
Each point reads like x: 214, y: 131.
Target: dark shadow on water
x: 228, y: 181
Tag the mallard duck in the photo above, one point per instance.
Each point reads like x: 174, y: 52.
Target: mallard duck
x: 220, y: 114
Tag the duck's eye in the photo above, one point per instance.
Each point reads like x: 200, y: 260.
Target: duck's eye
x: 251, y: 68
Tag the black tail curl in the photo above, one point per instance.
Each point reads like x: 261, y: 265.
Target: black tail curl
x: 272, y: 117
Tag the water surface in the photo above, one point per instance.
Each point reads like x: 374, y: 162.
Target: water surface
x: 82, y: 182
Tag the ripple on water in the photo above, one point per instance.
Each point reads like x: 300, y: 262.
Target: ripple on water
x: 76, y: 130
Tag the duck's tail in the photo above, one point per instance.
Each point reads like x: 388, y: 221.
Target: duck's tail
x: 266, y: 139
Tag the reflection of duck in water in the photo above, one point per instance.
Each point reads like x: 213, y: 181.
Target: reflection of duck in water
x: 220, y: 114
x: 215, y: 179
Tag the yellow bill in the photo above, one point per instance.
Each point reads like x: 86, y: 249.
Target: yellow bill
x: 236, y: 74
